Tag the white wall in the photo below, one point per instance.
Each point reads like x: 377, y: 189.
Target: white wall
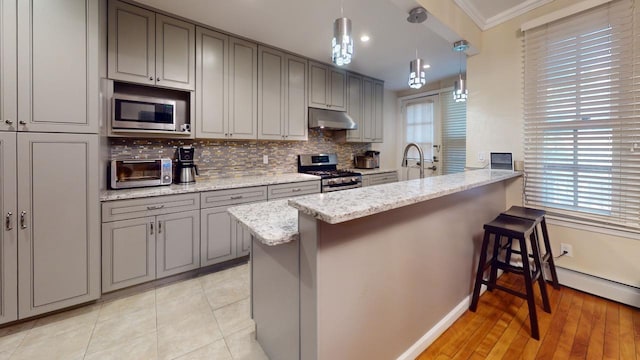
x: 495, y: 123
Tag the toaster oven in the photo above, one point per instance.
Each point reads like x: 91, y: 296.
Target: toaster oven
x: 126, y: 174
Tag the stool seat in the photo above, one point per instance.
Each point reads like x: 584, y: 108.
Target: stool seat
x: 520, y: 229
x: 525, y: 213
x: 538, y: 216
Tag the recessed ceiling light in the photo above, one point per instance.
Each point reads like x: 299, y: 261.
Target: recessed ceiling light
x: 426, y: 66
x: 364, y: 38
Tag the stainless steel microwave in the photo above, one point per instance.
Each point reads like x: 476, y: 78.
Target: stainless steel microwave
x: 142, y: 113
x: 125, y: 174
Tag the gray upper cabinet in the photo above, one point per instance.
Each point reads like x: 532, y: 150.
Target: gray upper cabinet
x: 282, y: 100
x: 354, y: 106
x: 58, y: 221
x: 243, y: 89
x: 327, y: 87
x: 8, y: 67
x: 9, y: 232
x: 365, y: 105
x: 57, y: 51
x: 212, y: 84
x: 149, y: 48
x: 226, y: 87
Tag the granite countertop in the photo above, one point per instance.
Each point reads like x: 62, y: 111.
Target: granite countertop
x: 372, y: 171
x: 271, y: 222
x: 204, y: 184
x: 341, y: 206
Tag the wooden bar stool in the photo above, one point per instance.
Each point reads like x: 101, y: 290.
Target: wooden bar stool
x: 512, y: 228
x: 538, y: 216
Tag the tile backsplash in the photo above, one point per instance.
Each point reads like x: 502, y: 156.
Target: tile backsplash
x: 222, y: 158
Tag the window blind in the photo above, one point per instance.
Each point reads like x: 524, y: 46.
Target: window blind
x: 582, y: 121
x: 419, y: 126
x: 454, y: 134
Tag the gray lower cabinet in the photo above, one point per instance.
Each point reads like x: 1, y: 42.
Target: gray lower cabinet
x: 223, y: 238
x: 9, y: 233
x: 147, y: 239
x: 58, y: 221
x: 379, y: 179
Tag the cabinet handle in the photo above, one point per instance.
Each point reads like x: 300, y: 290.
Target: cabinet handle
x: 157, y: 79
x: 8, y: 221
x: 8, y: 122
x: 156, y: 207
x: 23, y: 221
x: 150, y: 77
x: 236, y: 197
x: 296, y: 190
x: 151, y: 228
x: 22, y: 122
x: 159, y: 227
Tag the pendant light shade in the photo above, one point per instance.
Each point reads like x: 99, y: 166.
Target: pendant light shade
x: 460, y: 92
x: 342, y: 43
x: 417, y: 77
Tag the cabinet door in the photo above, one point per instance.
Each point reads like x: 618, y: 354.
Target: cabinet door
x: 271, y: 93
x: 175, y: 53
x: 319, y: 93
x: 177, y: 243
x: 9, y: 232
x: 354, y: 106
x: 368, y: 107
x: 243, y: 238
x: 378, y: 113
x: 337, y: 84
x: 8, y: 69
x: 212, y: 83
x: 58, y: 66
x: 243, y: 89
x: 132, y: 44
x: 216, y: 240
x: 59, y: 247
x: 128, y: 252
x: 296, y: 112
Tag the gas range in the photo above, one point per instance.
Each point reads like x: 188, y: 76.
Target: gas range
x: 326, y: 166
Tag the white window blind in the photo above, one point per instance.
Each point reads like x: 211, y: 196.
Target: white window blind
x: 419, y: 115
x: 454, y: 134
x: 582, y: 122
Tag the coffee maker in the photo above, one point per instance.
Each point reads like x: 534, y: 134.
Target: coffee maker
x: 186, y: 169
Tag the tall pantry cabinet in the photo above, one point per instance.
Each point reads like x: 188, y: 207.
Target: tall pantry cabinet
x: 50, y: 239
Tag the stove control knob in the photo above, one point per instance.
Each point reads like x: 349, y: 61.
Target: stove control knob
x: 331, y: 182
x: 354, y: 180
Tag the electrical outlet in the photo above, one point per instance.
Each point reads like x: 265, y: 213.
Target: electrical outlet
x: 566, y: 248
x: 265, y: 159
x: 481, y: 156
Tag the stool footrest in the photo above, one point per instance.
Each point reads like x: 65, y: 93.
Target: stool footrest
x: 505, y: 289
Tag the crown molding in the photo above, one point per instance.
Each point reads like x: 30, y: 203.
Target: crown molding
x: 506, y: 15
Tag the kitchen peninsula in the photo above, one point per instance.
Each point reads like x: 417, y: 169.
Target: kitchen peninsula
x: 367, y: 273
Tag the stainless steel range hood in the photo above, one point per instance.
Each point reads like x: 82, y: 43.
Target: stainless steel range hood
x: 330, y: 119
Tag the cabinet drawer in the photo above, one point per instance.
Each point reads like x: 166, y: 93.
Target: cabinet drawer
x: 233, y: 196
x: 385, y: 178
x: 294, y: 189
x: 135, y: 208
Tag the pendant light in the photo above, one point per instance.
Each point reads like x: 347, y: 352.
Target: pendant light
x: 417, y: 76
x: 342, y: 43
x: 460, y: 91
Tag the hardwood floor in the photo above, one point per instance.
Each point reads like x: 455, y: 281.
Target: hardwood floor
x: 580, y: 326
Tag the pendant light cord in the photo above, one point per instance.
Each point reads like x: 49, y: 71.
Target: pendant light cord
x: 341, y: 8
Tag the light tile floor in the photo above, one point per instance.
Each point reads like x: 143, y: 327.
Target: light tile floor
x: 201, y: 318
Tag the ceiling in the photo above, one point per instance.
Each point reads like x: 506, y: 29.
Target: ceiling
x: 487, y: 14
x: 305, y: 27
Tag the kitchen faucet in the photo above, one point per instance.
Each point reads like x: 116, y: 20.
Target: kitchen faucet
x: 405, y: 160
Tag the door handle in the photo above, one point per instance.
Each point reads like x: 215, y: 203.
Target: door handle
x: 151, y: 228
x: 8, y: 224
x: 236, y: 197
x: 8, y: 122
x: 23, y: 221
x: 159, y: 227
